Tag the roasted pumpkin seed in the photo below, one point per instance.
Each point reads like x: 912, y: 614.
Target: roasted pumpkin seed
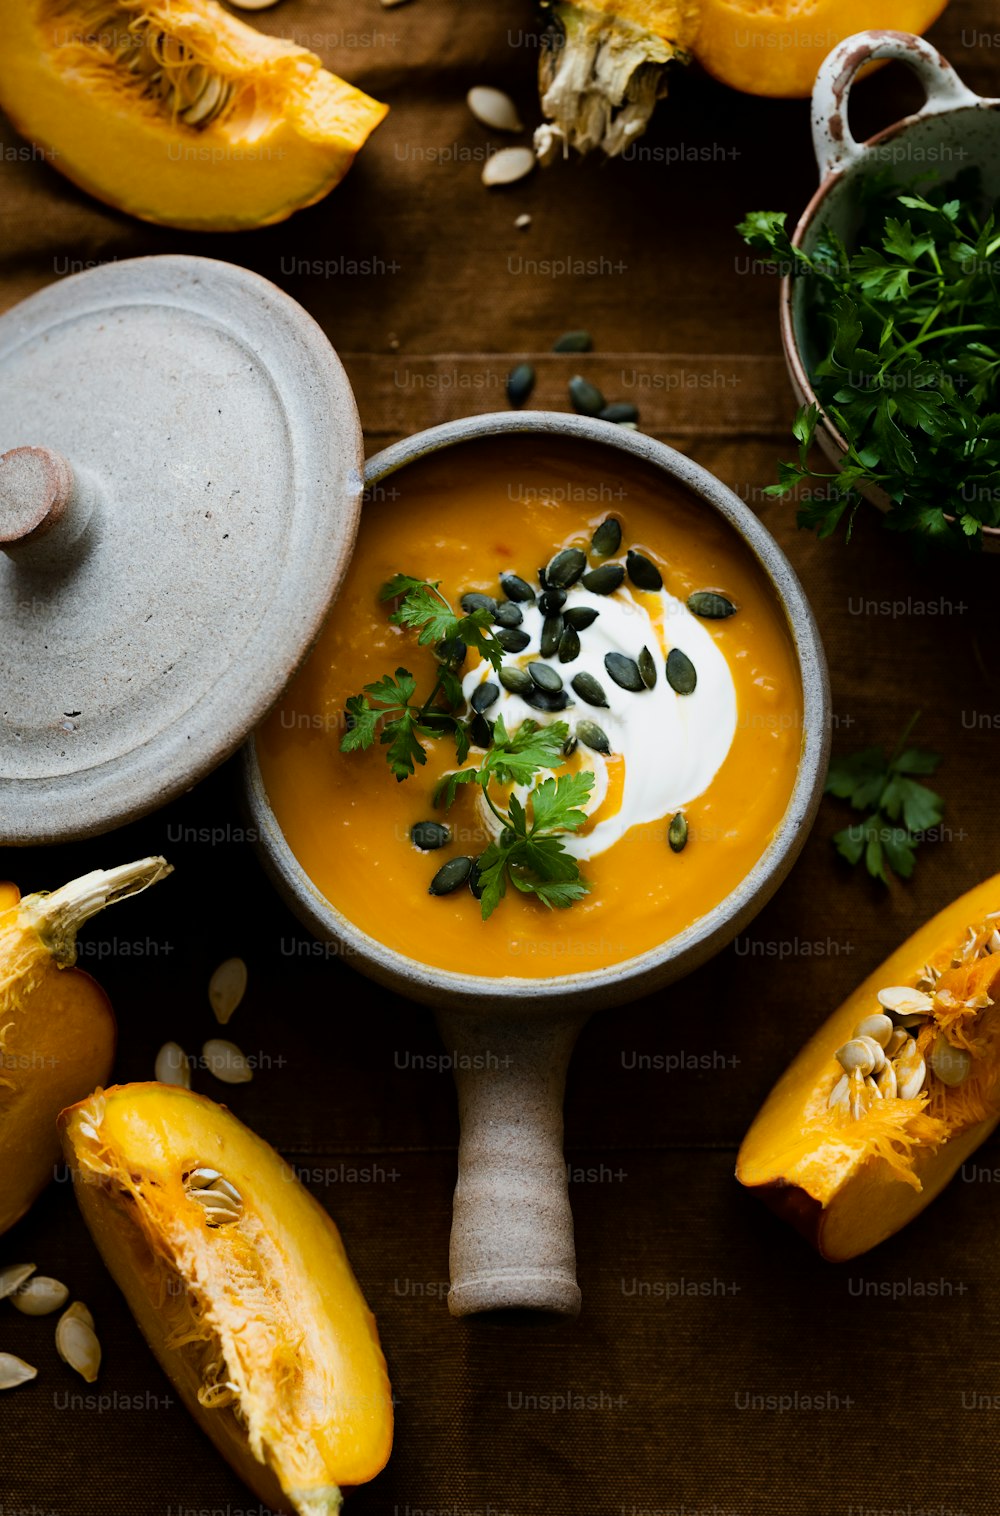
x: 508, y: 614
x: 545, y: 676
x: 480, y: 731
x: 711, y: 605
x: 579, y: 617
x: 624, y: 671
x: 593, y: 736
x: 551, y: 602
x: 682, y: 675
x: 516, y: 588
x: 452, y: 652
x: 585, y: 397
x: 484, y: 695
x: 569, y: 747
x: 520, y: 383
x: 589, y: 689
x: 647, y: 668
x: 603, y: 580
x: 474, y: 601
x: 607, y: 538
x: 450, y: 876
x: 552, y: 628
x: 516, y: 680
x: 677, y: 833
x: 475, y: 879
x: 547, y: 700
x: 565, y: 568
x: 573, y: 342
x: 643, y: 573
x: 619, y: 411
x: 569, y: 644
x: 512, y: 639
x: 428, y: 835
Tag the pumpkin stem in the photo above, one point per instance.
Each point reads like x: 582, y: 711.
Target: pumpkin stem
x: 59, y: 916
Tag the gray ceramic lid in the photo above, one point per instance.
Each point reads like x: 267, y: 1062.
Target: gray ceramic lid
x: 179, y: 493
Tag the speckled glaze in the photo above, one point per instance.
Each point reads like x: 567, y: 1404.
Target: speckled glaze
x: 512, y: 1240
x: 179, y: 497
x: 954, y: 129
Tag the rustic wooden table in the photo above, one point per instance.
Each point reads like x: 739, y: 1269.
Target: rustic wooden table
x: 698, y: 1306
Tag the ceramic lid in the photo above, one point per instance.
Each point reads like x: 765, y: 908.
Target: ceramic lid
x: 179, y: 492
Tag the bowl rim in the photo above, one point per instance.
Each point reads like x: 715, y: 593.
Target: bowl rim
x: 687, y: 949
x: 795, y: 363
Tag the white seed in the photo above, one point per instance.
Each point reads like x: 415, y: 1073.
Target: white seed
x: 839, y: 1091
x: 253, y: 5
x: 77, y: 1345
x: 856, y: 1055
x: 877, y: 1052
x: 13, y: 1276
x: 226, y: 1062
x: 493, y: 108
x: 859, y: 1097
x: 202, y: 1178
x: 79, y: 1312
x: 227, y: 987
x: 40, y: 1296
x: 897, y: 1042
x: 879, y: 1028
x: 911, y: 1072
x: 172, y: 1066
x: 522, y: 223
x: 992, y: 943
x: 887, y: 1082
x: 14, y: 1371
x: 872, y: 1087
x: 220, y: 1200
x: 507, y: 166
x: 904, y: 1000
x: 950, y: 1064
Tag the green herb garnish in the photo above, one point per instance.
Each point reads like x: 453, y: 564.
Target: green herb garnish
x: 900, y: 809
x: 908, y: 335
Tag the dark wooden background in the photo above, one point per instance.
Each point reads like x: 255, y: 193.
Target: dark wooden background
x: 694, y: 1297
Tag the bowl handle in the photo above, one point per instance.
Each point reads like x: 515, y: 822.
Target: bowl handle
x: 512, y: 1242
x: 835, y: 147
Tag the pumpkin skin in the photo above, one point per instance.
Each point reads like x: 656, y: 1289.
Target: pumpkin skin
x: 833, y: 1181
x: 270, y: 1301
x: 287, y: 136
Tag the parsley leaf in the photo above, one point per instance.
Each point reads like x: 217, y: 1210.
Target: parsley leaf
x: 900, y: 809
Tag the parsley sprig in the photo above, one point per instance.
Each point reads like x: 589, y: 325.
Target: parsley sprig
x: 899, y: 808
x: 907, y: 334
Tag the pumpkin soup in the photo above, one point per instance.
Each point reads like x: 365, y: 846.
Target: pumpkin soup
x: 584, y: 758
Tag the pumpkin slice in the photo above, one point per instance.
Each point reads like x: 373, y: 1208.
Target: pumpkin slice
x: 57, y: 1029
x: 176, y: 111
x: 241, y: 1286
x: 849, y: 1157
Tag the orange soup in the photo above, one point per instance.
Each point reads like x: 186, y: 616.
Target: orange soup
x: 700, y: 753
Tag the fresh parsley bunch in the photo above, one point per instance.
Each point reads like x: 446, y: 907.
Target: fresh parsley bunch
x: 908, y: 331
x: 899, y: 809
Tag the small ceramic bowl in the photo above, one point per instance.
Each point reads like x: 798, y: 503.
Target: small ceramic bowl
x: 512, y: 1236
x: 953, y: 130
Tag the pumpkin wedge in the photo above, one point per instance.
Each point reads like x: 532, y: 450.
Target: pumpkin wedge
x: 57, y: 1029
x: 241, y: 1286
x: 178, y: 112
x: 895, y: 1090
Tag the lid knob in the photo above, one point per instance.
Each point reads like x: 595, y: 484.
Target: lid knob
x: 45, y: 506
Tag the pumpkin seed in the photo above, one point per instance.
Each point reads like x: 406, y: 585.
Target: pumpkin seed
x: 226, y: 989
x: 14, y: 1371
x: 569, y: 747
x: 950, y: 1064
x: 856, y: 1054
x: 586, y: 398
x: 878, y: 1027
x: 253, y: 5
x: 452, y: 652
x: 480, y: 731
x: 618, y: 411
x: 474, y: 601
x: 220, y: 1200
x: 897, y: 1042
x: 682, y: 675
x: 516, y: 588
x: 450, y: 876
x: 589, y: 689
x: 512, y: 639
x: 507, y: 166
x: 604, y: 580
x: 643, y: 573
x: 171, y: 1066
x: 522, y: 221
x: 547, y: 700
x: 484, y: 695
x: 877, y: 1052
x: 509, y: 614
x: 902, y: 1000
x: 677, y: 833
x: 226, y: 1062
x: 545, y: 676
x: 607, y: 538
x: 551, y: 632
x: 79, y: 1312
x: 543, y: 581
x: 77, y: 1345
x: 573, y: 342
x: 13, y: 1276
x: 647, y: 668
x: 429, y: 835
x: 579, y: 617
x: 551, y: 602
x: 593, y: 736
x: 711, y: 605
x: 493, y: 108
x: 520, y: 383
x: 887, y: 1082
x: 475, y: 879
x: 624, y: 671
x: 40, y: 1296
x: 565, y: 568
x: 514, y: 679
x: 569, y: 644
x: 911, y: 1072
